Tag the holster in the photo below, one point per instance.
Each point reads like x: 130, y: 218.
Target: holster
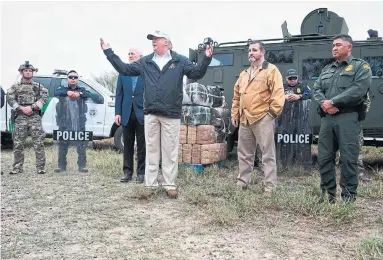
x: 362, y: 112
x: 13, y: 116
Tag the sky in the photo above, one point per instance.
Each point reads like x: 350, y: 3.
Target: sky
x: 65, y: 35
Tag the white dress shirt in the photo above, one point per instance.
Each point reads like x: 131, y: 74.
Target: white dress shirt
x: 162, y: 60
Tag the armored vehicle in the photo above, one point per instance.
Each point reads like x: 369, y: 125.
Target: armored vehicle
x: 308, y: 53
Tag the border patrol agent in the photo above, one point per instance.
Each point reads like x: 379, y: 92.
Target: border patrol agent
x: 341, y: 91
x: 27, y: 99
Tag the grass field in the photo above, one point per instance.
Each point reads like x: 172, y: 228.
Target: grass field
x: 74, y: 215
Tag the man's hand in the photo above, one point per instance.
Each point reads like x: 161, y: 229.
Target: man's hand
x: 104, y: 46
x: 293, y: 97
x: 117, y: 119
x: 234, y: 122
x: 333, y: 110
x: 209, y: 50
x: 73, y: 94
x: 326, y: 105
x: 28, y: 110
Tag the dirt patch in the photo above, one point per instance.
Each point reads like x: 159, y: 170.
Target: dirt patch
x: 81, y: 216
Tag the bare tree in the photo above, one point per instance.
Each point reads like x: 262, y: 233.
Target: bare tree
x: 108, y: 80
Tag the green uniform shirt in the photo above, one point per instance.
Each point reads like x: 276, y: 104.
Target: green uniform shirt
x: 344, y: 83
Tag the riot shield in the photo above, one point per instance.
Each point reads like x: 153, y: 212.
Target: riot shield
x: 70, y: 133
x: 293, y: 136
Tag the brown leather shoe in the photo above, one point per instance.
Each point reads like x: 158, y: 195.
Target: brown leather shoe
x: 173, y: 194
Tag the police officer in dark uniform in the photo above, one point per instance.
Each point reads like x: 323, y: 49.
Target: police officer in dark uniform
x: 341, y: 92
x: 294, y: 89
x: 71, y: 116
x: 294, y: 120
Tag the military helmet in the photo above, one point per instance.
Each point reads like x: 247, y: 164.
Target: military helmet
x: 27, y: 65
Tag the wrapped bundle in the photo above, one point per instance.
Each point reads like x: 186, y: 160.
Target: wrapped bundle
x: 206, y: 134
x: 220, y: 118
x: 186, y: 153
x: 192, y: 134
x: 196, y: 154
x: 198, y: 94
x: 222, y: 151
x: 210, y: 153
x: 183, y: 134
x: 195, y: 115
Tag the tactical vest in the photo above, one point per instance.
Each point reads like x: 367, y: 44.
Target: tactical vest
x: 27, y: 93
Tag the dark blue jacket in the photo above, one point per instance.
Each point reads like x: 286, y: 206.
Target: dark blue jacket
x: 299, y: 89
x: 125, y: 98
x: 163, y: 88
x: 63, y: 118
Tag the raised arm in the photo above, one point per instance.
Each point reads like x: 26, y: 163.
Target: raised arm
x: 133, y: 69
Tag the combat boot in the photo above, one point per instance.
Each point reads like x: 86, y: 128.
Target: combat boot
x: 41, y: 172
x: 331, y: 198
x: 14, y: 171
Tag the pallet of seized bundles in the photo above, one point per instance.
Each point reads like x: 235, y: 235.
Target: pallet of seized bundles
x: 205, y: 155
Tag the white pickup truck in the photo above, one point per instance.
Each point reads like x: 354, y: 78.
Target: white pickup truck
x: 100, y: 115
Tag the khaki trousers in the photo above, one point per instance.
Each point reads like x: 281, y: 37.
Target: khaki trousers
x: 261, y: 132
x: 162, y: 139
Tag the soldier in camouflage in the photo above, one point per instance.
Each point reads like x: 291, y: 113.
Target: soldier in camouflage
x: 27, y: 99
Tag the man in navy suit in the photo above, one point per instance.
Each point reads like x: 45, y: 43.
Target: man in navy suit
x: 129, y: 113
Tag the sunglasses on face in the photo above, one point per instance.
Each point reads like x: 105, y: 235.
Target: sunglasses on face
x: 72, y: 77
x: 293, y: 78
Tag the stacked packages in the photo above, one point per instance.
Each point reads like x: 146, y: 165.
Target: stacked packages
x: 204, y: 125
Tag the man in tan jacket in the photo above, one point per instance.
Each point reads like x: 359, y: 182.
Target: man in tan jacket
x: 258, y: 99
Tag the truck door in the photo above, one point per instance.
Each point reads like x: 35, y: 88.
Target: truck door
x: 372, y: 125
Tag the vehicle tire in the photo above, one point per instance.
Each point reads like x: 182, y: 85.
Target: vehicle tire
x: 119, y: 139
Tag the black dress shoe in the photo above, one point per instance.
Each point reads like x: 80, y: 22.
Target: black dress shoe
x: 127, y: 178
x: 140, y: 178
x: 83, y: 170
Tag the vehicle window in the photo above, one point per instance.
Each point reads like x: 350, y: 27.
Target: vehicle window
x: 222, y: 59
x: 280, y: 56
x: 94, y: 95
x: 46, y: 82
x: 312, y: 68
x: 376, y: 64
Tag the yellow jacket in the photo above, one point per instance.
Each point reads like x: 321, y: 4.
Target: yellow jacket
x: 254, y: 98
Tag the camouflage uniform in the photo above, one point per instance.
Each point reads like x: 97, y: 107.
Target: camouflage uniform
x: 35, y: 95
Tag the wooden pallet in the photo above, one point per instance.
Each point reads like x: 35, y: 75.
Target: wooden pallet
x: 201, y: 167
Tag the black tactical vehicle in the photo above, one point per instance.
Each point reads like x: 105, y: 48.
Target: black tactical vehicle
x: 308, y: 53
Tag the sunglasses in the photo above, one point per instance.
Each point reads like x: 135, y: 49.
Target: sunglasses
x: 292, y: 78
x: 72, y: 77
